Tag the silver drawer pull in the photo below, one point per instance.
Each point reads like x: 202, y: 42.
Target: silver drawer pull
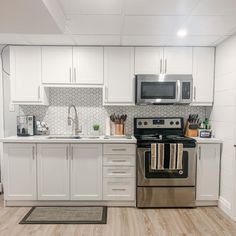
x: 119, y: 149
x: 118, y: 189
x: 118, y: 172
x: 118, y: 160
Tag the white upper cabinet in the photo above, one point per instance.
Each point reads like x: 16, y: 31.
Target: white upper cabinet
x: 72, y: 65
x: 203, y: 75
x: 159, y: 60
x: 88, y: 65
x: 178, y: 60
x: 56, y: 65
x: 19, y: 172
x: 53, y: 166
x: 86, y: 172
x: 118, y: 75
x: 208, y: 172
x: 148, y: 60
x: 25, y: 69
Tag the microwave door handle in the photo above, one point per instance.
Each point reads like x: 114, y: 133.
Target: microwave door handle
x: 178, y: 91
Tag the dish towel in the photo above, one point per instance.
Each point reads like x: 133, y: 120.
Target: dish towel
x: 157, y: 156
x: 171, y: 158
x: 176, y: 156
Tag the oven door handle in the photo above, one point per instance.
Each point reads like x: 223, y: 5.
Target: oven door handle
x: 178, y: 91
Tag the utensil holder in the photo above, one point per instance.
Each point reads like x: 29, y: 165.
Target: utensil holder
x: 119, y: 129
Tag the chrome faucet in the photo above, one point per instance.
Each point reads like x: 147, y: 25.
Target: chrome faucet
x: 75, y: 120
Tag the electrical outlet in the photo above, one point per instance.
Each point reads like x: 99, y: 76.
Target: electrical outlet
x: 11, y: 107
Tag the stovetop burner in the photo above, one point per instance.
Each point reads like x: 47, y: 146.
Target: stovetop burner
x: 161, y: 130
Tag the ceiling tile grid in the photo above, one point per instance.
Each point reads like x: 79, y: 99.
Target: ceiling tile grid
x: 120, y: 22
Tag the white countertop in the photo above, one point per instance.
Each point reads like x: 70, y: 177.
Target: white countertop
x: 84, y: 139
x: 207, y: 140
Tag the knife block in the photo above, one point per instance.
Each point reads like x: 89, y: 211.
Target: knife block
x: 190, y: 132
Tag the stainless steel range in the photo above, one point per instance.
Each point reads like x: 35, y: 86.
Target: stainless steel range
x: 166, y: 163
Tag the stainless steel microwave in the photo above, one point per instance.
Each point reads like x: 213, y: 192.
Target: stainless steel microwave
x: 164, y: 89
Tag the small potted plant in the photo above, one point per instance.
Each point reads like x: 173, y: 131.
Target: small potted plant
x: 96, y: 129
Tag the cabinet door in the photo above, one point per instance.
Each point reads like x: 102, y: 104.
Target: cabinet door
x: 25, y: 66
x: 88, y: 65
x: 119, y: 75
x: 53, y: 171
x: 19, y: 173
x: 178, y: 60
x: 203, y: 75
x: 56, y: 65
x: 86, y: 172
x: 208, y: 171
x: 148, y: 60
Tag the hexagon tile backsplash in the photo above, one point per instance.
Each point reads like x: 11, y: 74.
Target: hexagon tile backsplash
x: 88, y: 102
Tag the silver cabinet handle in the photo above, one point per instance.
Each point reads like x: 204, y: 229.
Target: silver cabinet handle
x: 72, y: 154
x: 67, y: 153
x: 33, y: 151
x: 70, y: 74
x: 106, y: 92
x: 165, y: 66
x: 118, y: 172
x: 75, y: 75
x: 118, y: 160
x: 118, y: 189
x: 119, y: 149
x: 160, y: 66
x: 194, y: 92
x: 200, y: 154
x: 38, y: 92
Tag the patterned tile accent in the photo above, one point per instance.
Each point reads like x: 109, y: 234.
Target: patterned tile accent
x: 88, y: 102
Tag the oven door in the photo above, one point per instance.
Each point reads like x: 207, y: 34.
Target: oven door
x: 166, y: 177
x: 151, y: 89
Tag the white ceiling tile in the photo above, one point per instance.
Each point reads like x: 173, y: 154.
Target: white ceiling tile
x: 216, y: 7
x: 12, y: 39
x: 95, y: 24
x: 96, y: 39
x: 211, y: 25
x: 159, y: 7
x: 48, y: 39
x: 26, y: 17
x: 91, y: 6
x: 168, y: 40
x: 149, y: 25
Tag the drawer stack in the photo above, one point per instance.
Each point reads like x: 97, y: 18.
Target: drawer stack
x: 119, y: 172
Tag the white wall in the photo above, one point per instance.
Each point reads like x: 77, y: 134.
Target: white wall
x: 223, y: 119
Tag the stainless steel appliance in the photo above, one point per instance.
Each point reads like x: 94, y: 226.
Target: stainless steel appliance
x: 26, y: 125
x: 166, y: 187
x: 163, y: 89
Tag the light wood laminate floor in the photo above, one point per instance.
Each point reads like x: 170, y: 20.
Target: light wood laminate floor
x: 128, y: 222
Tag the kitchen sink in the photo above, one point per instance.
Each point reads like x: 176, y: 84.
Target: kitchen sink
x: 72, y: 137
x: 64, y: 137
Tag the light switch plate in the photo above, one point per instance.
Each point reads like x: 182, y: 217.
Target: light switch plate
x: 11, y: 107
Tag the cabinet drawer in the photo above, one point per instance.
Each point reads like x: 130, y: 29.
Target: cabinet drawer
x: 118, y: 189
x: 117, y: 160
x: 118, y: 172
x: 114, y: 149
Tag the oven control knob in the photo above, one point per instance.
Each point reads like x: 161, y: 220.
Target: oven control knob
x: 177, y: 122
x: 145, y: 122
x: 140, y: 123
x: 171, y: 123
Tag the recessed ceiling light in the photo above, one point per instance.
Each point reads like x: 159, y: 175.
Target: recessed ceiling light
x: 182, y: 33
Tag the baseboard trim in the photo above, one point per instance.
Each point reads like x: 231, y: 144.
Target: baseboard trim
x: 206, y: 203
x: 70, y: 203
x: 225, y: 206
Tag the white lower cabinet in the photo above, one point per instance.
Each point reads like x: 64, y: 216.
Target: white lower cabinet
x: 208, y: 172
x: 19, y: 172
x: 119, y: 172
x: 53, y: 172
x: 86, y: 172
